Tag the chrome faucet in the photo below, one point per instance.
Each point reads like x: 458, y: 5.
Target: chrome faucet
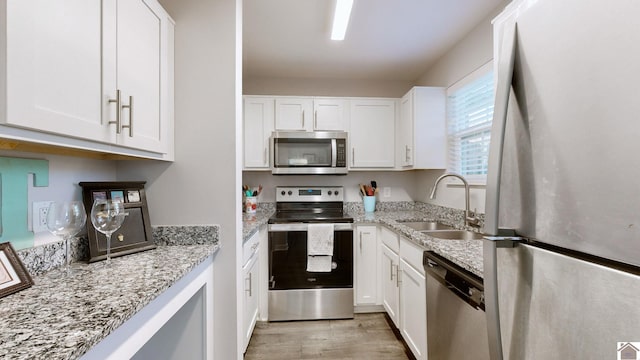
x: 468, y: 219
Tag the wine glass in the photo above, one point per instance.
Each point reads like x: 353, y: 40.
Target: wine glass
x: 107, y: 215
x: 66, y: 219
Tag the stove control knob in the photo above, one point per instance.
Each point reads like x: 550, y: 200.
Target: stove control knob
x: 290, y: 192
x: 335, y: 192
x: 329, y: 193
x: 282, y: 193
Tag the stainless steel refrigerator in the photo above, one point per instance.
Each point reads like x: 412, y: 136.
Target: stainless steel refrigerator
x: 564, y: 177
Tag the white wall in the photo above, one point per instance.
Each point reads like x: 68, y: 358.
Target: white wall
x: 325, y: 87
x: 65, y: 172
x: 473, y: 51
x: 402, y: 184
x: 200, y: 187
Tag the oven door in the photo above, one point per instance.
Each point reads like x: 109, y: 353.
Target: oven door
x: 288, y: 259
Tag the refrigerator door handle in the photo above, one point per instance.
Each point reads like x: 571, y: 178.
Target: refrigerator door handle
x: 503, y: 90
x: 499, y: 122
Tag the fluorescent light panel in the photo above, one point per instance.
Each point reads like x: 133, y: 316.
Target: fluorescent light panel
x: 341, y: 19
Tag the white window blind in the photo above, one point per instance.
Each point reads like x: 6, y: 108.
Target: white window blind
x: 469, y: 115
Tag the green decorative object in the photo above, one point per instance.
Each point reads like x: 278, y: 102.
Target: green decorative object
x: 14, y: 206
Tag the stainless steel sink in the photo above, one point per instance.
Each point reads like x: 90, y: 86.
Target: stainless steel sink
x: 453, y: 234
x: 426, y: 225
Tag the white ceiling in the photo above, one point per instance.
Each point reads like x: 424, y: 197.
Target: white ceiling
x: 386, y: 39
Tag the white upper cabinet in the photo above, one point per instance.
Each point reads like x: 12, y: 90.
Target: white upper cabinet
x: 330, y: 114
x: 311, y: 114
x: 68, y: 59
x: 294, y: 114
x: 258, y: 125
x: 53, y: 69
x: 422, y: 129
x: 372, y: 133
x: 135, y: 56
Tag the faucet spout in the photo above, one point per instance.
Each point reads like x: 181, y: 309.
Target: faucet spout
x: 468, y: 219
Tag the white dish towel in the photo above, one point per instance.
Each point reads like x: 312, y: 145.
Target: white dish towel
x: 319, y: 247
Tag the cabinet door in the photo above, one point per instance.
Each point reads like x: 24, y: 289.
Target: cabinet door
x: 429, y: 128
x: 53, y: 59
x: 258, y: 125
x: 390, y: 284
x: 294, y: 114
x: 140, y: 26
x: 405, y: 130
x: 413, y: 309
x: 329, y: 114
x: 250, y: 299
x: 372, y: 134
x: 366, y: 258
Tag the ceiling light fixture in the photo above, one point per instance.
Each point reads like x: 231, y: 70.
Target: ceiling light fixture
x: 341, y: 19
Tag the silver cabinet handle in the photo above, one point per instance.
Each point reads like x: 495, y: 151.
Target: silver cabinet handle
x: 264, y: 156
x: 406, y: 153
x: 130, y: 107
x: 250, y: 284
x: 398, y: 276
x: 248, y: 288
x: 302, y: 119
x: 391, y: 270
x: 353, y: 156
x: 366, y: 233
x: 118, y: 119
x: 315, y: 120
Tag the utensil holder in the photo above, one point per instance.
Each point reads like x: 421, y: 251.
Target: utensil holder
x: 369, y: 203
x: 250, y: 204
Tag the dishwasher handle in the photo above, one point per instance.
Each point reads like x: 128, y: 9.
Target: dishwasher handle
x: 464, y: 285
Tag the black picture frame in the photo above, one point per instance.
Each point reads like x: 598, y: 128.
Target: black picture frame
x: 135, y: 234
x: 13, y: 274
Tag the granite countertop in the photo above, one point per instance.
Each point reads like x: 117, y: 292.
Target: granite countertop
x: 465, y: 253
x: 252, y: 222
x: 62, y: 317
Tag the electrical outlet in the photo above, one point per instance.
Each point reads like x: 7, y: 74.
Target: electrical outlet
x: 39, y: 215
x: 386, y: 192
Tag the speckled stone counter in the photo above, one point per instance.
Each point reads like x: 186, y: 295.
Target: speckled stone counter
x: 61, y: 317
x: 465, y: 253
x: 252, y: 222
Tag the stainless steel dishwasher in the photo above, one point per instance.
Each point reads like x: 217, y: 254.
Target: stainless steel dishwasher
x: 456, y: 323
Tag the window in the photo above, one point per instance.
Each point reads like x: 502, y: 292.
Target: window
x: 469, y: 115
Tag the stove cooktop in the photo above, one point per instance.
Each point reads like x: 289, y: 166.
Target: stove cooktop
x: 309, y: 217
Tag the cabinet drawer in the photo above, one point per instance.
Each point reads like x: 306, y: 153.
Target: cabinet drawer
x: 412, y: 254
x: 250, y: 247
x: 390, y: 239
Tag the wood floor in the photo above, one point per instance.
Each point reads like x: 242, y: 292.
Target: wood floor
x: 367, y: 336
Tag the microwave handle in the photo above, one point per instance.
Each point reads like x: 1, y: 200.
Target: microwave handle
x: 334, y: 153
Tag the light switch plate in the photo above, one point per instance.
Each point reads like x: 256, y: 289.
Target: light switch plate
x: 386, y: 192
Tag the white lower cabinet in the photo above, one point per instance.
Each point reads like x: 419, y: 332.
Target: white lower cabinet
x: 413, y: 309
x: 404, y: 289
x: 390, y: 283
x: 250, y: 287
x: 366, y: 265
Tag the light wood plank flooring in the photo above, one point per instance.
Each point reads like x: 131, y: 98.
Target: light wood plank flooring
x: 367, y: 336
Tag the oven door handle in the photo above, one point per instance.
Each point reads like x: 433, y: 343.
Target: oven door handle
x: 304, y: 227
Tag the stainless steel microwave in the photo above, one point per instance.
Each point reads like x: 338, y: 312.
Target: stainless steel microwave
x: 300, y: 152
